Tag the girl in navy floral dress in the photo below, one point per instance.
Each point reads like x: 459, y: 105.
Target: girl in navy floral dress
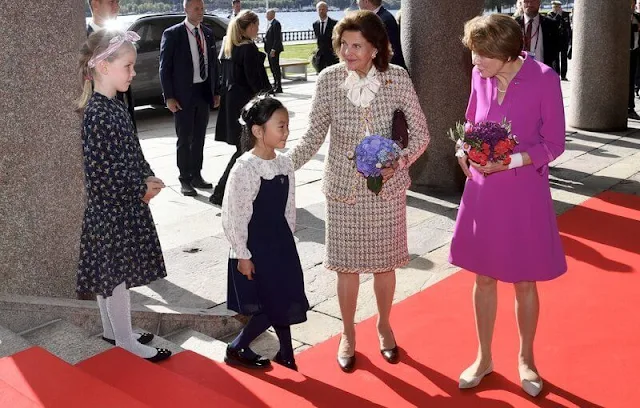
x: 258, y: 215
x: 119, y: 247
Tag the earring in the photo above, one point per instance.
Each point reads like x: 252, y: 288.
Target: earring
x: 375, y: 53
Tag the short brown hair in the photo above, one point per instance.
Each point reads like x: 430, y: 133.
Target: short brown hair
x: 494, y: 36
x: 372, y: 29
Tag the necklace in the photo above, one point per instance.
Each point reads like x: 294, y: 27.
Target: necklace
x: 500, y: 90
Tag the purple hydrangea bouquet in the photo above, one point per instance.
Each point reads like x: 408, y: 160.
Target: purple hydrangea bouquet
x: 373, y: 154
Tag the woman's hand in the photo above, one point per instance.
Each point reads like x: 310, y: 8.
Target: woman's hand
x: 246, y: 267
x: 388, y: 172
x: 490, y: 167
x: 464, y: 165
x: 154, y: 186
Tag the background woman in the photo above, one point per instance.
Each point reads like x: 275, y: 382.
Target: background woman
x: 506, y: 228
x: 243, y: 77
x: 366, y: 233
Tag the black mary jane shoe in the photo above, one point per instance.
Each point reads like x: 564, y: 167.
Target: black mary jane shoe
x: 392, y: 356
x: 145, y: 338
x: 347, y: 364
x: 163, y: 354
x: 234, y: 357
x: 290, y: 364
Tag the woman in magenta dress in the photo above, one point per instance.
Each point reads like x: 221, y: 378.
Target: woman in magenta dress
x: 506, y: 228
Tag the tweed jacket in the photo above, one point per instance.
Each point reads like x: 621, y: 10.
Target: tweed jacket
x: 331, y: 109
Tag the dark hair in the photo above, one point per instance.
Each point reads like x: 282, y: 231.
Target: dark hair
x: 257, y: 112
x: 494, y: 36
x: 372, y: 29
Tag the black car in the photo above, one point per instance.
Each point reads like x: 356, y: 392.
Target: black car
x: 146, y: 86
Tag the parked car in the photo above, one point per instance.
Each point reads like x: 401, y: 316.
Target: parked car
x: 146, y: 86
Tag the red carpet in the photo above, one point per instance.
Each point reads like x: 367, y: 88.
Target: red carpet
x: 36, y: 378
x: 588, y: 341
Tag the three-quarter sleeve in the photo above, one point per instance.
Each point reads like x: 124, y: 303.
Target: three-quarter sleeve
x: 416, y: 121
x: 552, y: 130
x: 237, y: 207
x: 472, y: 106
x: 106, y: 169
x: 290, y: 209
x: 319, y: 122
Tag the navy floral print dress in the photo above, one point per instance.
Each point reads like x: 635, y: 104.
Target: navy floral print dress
x: 119, y: 241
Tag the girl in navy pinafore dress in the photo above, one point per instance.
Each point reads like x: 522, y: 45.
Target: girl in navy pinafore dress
x: 258, y: 214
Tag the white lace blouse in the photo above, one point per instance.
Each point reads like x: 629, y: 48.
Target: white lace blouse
x: 242, y: 188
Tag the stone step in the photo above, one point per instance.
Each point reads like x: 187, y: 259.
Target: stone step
x: 11, y: 343
x: 67, y: 341
x: 199, y: 343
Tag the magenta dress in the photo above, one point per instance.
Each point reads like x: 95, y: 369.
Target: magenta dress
x: 506, y: 227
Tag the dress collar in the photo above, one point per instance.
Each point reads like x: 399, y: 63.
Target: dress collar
x: 361, y: 91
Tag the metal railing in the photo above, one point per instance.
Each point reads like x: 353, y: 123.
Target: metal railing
x: 288, y: 36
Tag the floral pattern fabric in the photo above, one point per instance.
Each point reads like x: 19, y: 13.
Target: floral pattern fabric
x: 119, y: 242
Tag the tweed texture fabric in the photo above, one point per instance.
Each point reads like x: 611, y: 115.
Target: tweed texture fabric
x: 365, y: 233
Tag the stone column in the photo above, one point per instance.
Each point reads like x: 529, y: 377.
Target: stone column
x: 440, y: 67
x: 41, y: 177
x: 600, y: 65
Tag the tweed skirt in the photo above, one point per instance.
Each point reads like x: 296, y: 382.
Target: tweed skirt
x: 369, y: 236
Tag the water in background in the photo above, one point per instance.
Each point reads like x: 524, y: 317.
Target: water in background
x: 290, y: 21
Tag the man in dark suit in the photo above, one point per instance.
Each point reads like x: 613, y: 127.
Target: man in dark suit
x: 323, y: 28
x: 563, y: 19
x: 390, y: 23
x: 540, y: 33
x: 189, y: 78
x: 273, y: 47
x: 236, y: 6
x: 102, y: 12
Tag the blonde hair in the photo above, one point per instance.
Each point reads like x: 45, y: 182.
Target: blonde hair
x: 95, y: 44
x: 236, y: 32
x: 494, y: 36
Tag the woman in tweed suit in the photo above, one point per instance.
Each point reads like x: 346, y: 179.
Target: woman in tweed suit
x: 366, y: 233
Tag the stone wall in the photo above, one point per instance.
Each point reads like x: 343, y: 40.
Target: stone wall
x: 41, y: 178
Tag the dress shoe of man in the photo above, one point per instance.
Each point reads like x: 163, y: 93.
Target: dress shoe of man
x: 187, y: 189
x: 290, y: 364
x: 633, y: 115
x: 198, y: 182
x: 278, y: 90
x: 235, y: 357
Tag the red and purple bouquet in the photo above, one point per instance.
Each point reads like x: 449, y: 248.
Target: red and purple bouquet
x: 484, y: 142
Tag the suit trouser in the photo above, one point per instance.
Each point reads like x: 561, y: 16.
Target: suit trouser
x: 274, y: 65
x: 633, y: 66
x: 191, y: 128
x: 561, y: 62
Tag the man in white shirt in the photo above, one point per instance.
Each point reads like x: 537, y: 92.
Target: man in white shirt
x: 102, y: 11
x: 634, y: 55
x: 273, y: 47
x: 236, y: 6
x: 190, y: 84
x: 541, y: 34
x: 323, y: 28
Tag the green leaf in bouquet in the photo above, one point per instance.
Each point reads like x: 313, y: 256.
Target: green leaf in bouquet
x: 374, y: 184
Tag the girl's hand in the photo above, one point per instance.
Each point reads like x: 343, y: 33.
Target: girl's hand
x: 464, y: 165
x: 245, y: 267
x: 154, y: 185
x: 490, y: 167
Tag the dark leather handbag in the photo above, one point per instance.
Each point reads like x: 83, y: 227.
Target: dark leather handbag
x: 400, y: 129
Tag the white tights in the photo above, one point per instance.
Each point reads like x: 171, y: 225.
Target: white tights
x: 115, y: 312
